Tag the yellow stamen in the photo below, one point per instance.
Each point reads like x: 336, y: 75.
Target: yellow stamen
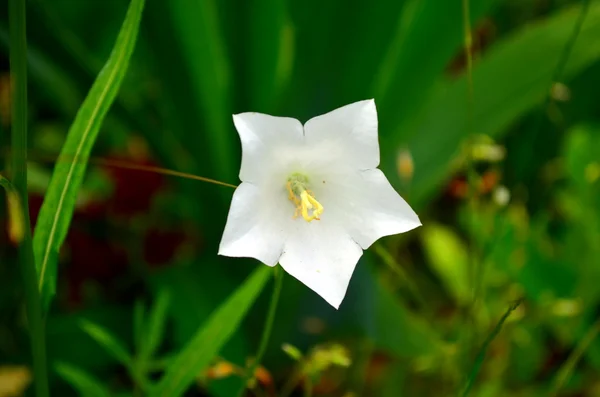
x: 309, y: 203
x: 306, y: 204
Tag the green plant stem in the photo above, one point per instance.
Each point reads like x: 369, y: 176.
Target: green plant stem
x: 566, y: 53
x: 565, y: 371
x: 564, y: 56
x: 484, y: 347
x: 266, y: 335
x: 18, y: 72
x: 471, y: 172
x: 558, y: 72
x: 475, y: 273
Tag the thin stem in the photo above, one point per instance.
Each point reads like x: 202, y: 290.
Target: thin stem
x: 484, y: 347
x: 562, y: 63
x: 266, y: 335
x: 565, y: 371
x: 475, y: 273
x: 128, y: 165
x: 18, y: 70
x: 564, y: 56
x: 471, y: 172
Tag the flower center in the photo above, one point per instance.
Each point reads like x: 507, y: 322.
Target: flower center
x: 302, y: 198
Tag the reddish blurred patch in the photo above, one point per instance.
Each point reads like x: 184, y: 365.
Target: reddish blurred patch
x: 133, y: 189
x: 459, y: 187
x: 377, y: 367
x: 5, y: 99
x: 160, y: 246
x: 92, y: 249
x: 92, y: 258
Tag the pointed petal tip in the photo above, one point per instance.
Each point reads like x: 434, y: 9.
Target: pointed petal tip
x: 240, y: 255
x: 237, y: 117
x: 221, y: 252
x: 370, y: 102
x: 335, y: 303
x: 418, y: 222
x: 415, y: 223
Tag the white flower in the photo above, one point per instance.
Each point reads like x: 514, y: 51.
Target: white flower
x: 312, y: 197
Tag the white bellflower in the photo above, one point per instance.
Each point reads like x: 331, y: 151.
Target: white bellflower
x: 312, y: 197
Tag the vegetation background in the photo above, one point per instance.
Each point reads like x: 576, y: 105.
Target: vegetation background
x: 506, y: 183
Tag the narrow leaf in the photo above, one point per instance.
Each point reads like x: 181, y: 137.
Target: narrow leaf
x: 271, y: 40
x: 504, y: 90
x: 391, y: 315
x: 199, y: 34
x: 486, y: 344
x: 139, y: 317
x: 211, y: 336
x: 108, y: 341
x: 59, y: 203
x: 422, y: 21
x: 81, y: 381
x: 153, y: 335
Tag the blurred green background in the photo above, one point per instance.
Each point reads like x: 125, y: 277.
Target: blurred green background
x: 141, y: 240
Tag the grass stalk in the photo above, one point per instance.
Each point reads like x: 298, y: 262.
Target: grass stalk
x: 475, y: 271
x: 18, y: 73
x: 266, y: 335
x: 560, y: 68
x: 484, y: 347
x: 566, y: 370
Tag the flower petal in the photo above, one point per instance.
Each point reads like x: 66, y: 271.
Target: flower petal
x: 255, y: 225
x: 349, y: 133
x: 265, y: 140
x: 368, y: 205
x: 322, y: 256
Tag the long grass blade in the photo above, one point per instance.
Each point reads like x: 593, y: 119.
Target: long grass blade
x: 18, y: 71
x: 59, y: 203
x: 566, y: 370
x: 483, y: 350
x: 211, y: 337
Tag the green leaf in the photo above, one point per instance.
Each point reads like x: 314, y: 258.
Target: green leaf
x: 272, y: 45
x: 153, y: 334
x: 410, y: 66
x: 198, y: 32
x: 509, y: 81
x: 196, y: 292
x: 139, y: 317
x: 65, y: 330
x: 108, y: 341
x: 402, y: 333
x: 389, y: 323
x: 448, y: 256
x: 59, y: 203
x: 211, y: 336
x: 84, y: 383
